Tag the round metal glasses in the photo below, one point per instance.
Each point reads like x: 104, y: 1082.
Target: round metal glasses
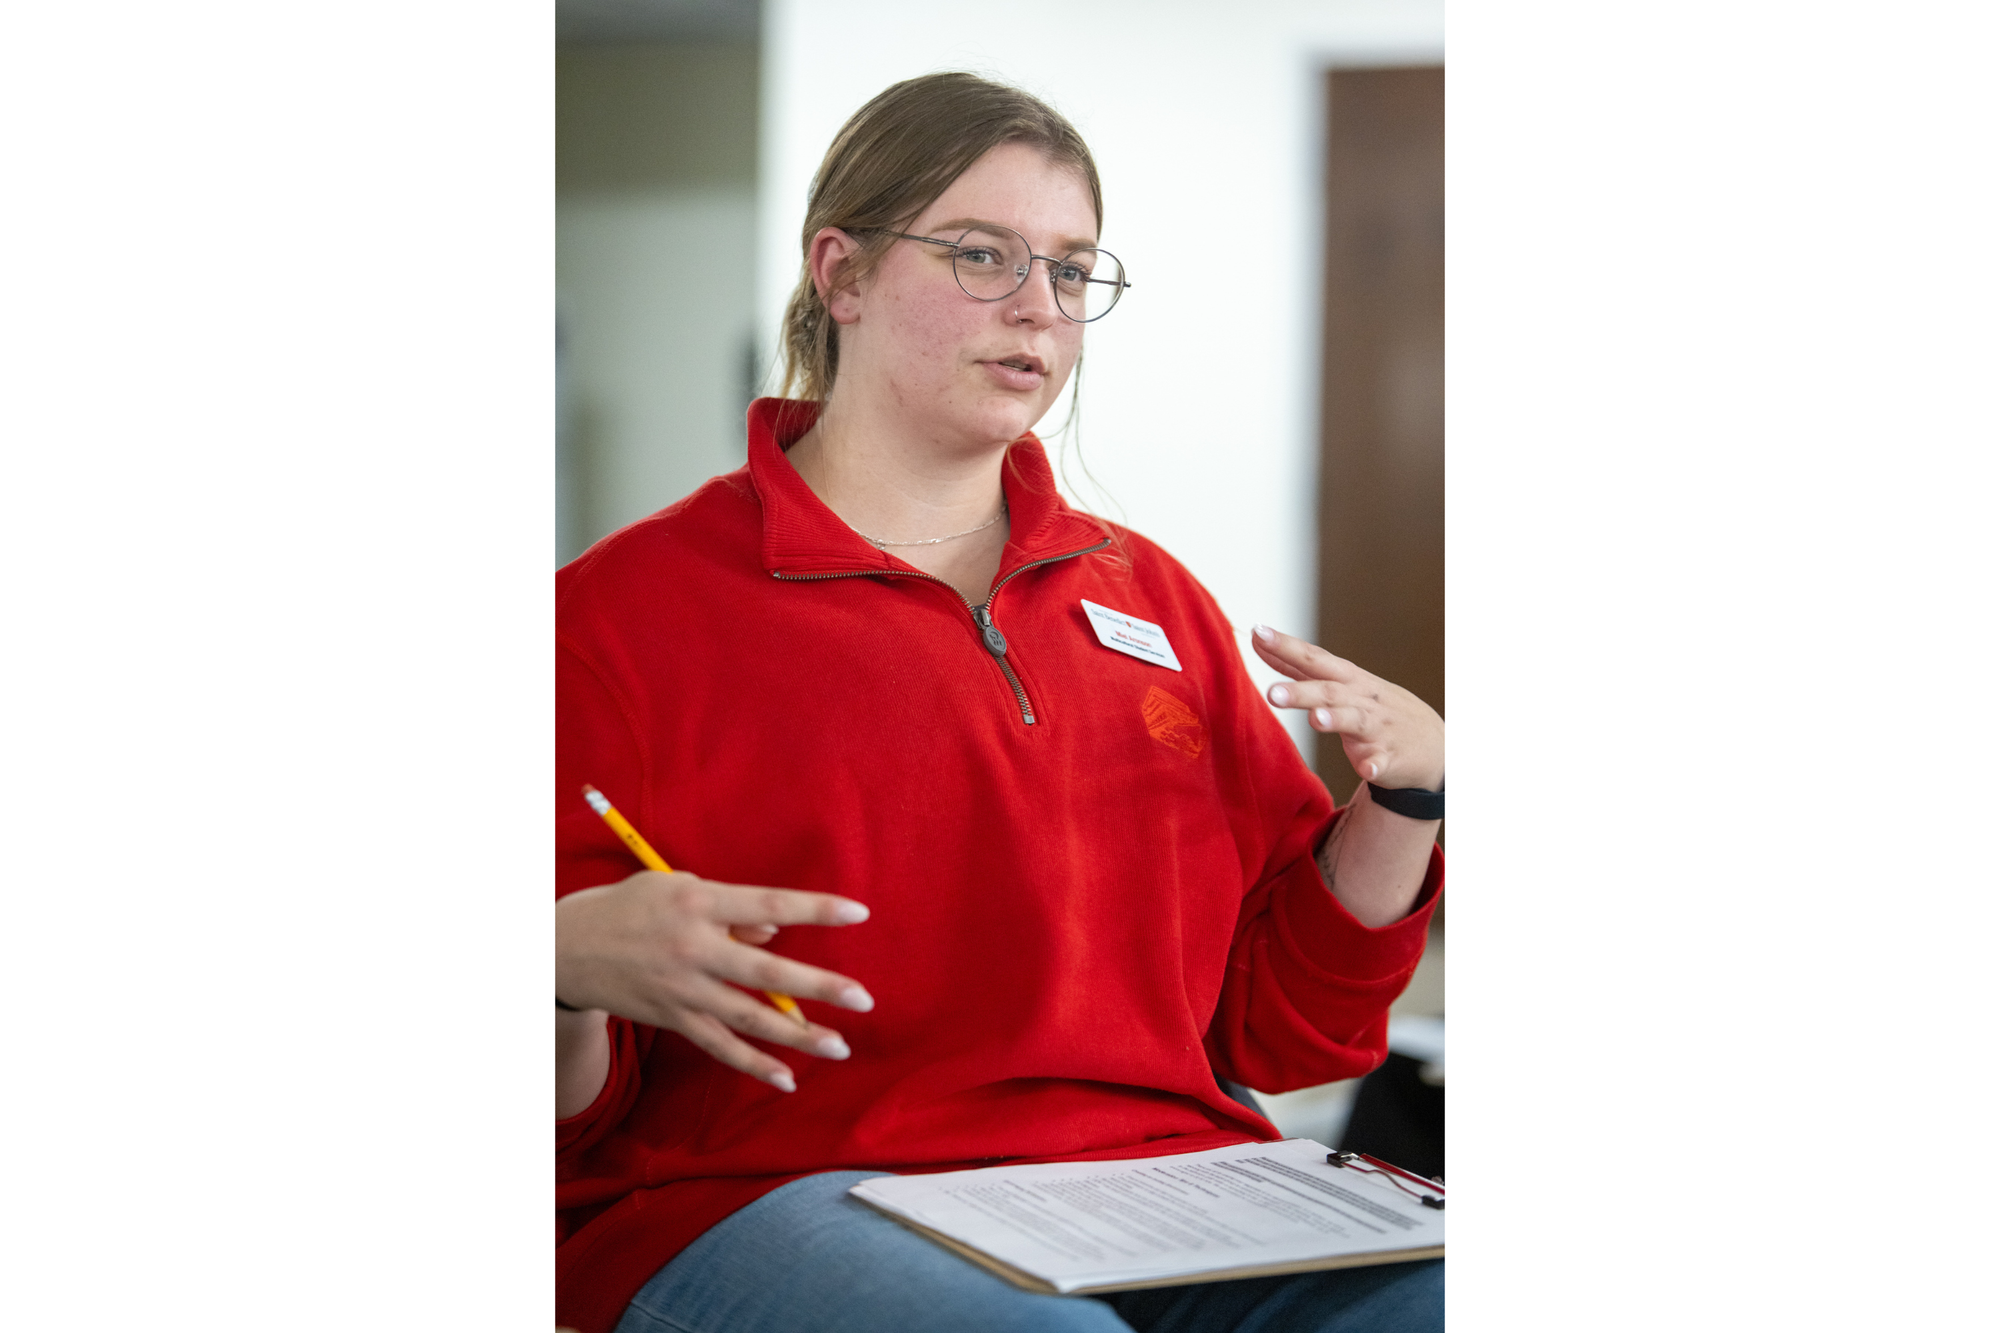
x: 992, y: 262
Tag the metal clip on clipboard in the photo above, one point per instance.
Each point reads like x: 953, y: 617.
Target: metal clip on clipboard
x: 1395, y: 1175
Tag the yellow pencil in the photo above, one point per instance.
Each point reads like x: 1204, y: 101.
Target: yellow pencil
x: 654, y: 861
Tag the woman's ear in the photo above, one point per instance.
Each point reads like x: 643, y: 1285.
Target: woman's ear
x: 831, y: 247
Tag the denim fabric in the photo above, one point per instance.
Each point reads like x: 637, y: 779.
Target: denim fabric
x: 807, y: 1258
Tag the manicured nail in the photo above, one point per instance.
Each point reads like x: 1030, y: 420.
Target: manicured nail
x: 1323, y: 716
x: 833, y: 1048
x: 856, y: 999
x: 1374, y: 771
x: 1281, y: 695
x: 850, y: 914
x: 1266, y: 633
x: 782, y: 1081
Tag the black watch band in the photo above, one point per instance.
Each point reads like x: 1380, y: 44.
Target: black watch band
x: 1410, y: 802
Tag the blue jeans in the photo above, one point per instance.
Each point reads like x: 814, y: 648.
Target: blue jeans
x: 806, y: 1258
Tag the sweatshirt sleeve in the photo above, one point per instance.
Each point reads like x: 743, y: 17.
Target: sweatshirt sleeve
x: 595, y: 744
x: 1306, y: 994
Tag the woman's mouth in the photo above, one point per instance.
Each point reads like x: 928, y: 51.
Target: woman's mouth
x: 1018, y: 372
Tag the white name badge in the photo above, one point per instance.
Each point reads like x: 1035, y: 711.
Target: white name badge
x: 1139, y: 638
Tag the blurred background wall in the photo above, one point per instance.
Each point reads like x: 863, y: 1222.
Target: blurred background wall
x: 656, y: 204
x: 1274, y: 204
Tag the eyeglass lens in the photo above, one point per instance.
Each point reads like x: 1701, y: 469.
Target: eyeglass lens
x: 993, y: 262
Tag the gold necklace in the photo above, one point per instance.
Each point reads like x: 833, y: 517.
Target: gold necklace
x: 880, y: 542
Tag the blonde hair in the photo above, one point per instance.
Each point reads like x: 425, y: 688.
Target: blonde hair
x: 890, y: 162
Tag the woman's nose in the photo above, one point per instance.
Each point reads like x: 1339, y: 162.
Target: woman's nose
x: 1035, y: 302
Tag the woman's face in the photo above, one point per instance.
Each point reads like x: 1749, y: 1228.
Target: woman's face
x: 971, y: 373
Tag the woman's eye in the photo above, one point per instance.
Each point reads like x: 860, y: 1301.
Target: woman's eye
x: 1072, y: 275
x: 977, y: 255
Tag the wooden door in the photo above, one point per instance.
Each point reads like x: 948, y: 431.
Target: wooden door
x: 1381, y: 510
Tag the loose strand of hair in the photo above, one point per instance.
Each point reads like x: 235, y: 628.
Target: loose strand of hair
x: 1069, y: 436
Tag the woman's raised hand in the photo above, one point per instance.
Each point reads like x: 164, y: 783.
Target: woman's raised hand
x: 1393, y: 738
x: 661, y: 949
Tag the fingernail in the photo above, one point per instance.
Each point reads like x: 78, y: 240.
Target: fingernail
x: 833, y: 1048
x: 1280, y: 695
x: 1323, y: 716
x: 1266, y: 633
x: 850, y: 914
x: 782, y: 1081
x: 857, y: 999
x: 1374, y: 771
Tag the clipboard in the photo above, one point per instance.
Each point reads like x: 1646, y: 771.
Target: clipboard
x: 1252, y: 1210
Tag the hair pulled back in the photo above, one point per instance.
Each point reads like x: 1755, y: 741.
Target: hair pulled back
x: 890, y: 162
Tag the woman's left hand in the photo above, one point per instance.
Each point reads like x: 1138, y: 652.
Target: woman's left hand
x: 1393, y: 738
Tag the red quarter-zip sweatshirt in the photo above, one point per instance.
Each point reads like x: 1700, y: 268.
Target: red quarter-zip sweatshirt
x: 1091, y: 876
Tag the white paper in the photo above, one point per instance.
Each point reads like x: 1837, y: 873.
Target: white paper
x: 1128, y: 634
x: 1088, y: 1224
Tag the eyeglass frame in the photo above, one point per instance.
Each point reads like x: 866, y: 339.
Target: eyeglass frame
x: 954, y: 246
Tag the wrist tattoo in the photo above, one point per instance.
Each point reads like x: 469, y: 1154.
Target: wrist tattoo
x: 1329, y: 851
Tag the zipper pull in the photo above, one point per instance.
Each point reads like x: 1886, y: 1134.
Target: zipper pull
x: 996, y: 642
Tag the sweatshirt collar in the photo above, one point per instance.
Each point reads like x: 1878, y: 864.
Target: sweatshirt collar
x: 803, y: 536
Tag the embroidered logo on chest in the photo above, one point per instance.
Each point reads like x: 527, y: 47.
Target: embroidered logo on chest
x: 1172, y: 723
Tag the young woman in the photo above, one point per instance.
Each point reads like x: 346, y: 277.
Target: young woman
x: 1034, y: 895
